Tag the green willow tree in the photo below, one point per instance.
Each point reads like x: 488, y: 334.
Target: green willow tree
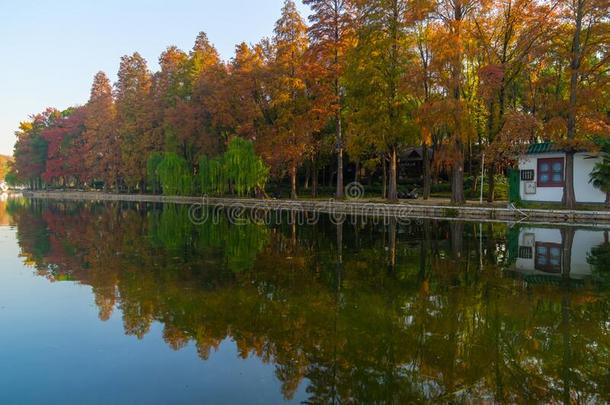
x: 212, y: 179
x: 174, y: 175
x: 239, y: 170
x: 152, y: 171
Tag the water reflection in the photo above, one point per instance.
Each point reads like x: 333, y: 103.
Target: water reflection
x: 360, y: 313
x: 549, y: 254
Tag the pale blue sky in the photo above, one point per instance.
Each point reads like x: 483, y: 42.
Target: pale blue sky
x: 50, y: 50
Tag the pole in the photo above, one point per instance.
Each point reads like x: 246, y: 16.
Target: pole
x: 480, y: 246
x: 482, y: 176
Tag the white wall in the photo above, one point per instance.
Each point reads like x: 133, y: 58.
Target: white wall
x: 546, y: 235
x: 584, y: 241
x: 585, y: 192
x: 544, y: 194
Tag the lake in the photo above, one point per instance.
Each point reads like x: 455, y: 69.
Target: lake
x: 135, y: 303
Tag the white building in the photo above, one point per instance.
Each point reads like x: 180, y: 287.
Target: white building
x: 542, y: 175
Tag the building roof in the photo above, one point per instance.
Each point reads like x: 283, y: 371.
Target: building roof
x: 549, y: 147
x: 542, y: 279
x: 415, y: 154
x: 542, y: 147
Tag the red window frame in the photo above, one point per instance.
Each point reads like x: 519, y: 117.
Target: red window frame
x: 546, y: 266
x: 551, y: 162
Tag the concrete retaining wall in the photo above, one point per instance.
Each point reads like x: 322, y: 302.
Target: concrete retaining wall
x: 355, y: 207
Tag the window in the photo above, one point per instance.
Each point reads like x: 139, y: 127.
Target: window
x: 548, y: 257
x: 550, y: 172
x: 525, y: 252
x: 527, y: 175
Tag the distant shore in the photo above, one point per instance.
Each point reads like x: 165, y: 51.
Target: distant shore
x: 403, y: 209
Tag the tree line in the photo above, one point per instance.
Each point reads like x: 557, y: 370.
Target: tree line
x: 346, y: 92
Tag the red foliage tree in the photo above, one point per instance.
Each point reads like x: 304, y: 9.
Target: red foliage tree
x: 65, y: 150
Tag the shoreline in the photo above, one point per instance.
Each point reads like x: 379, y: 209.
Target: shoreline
x: 362, y: 208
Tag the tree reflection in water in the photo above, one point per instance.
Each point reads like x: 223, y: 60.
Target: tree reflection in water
x: 359, y: 312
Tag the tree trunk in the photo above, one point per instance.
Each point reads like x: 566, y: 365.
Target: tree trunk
x: 457, y: 177
x: 314, y: 178
x: 569, y: 197
x: 384, y: 190
x: 427, y: 170
x: 567, y: 244
x: 491, y: 180
x: 392, y: 244
x: 339, y: 264
x: 566, y: 363
x: 293, y: 182
x: 307, y: 177
x: 470, y: 167
x: 339, y: 139
x: 456, y: 229
x: 393, y: 189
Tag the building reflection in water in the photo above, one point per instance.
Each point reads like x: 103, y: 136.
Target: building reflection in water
x: 556, y: 253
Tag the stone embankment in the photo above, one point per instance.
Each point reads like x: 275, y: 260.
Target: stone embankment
x: 363, y: 208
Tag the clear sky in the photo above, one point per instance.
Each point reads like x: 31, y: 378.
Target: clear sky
x: 51, y: 49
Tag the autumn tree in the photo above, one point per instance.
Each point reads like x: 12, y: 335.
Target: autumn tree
x: 209, y: 75
x: 101, y: 150
x: 170, y: 87
x: 193, y: 125
x: 331, y: 34
x: 288, y: 134
x: 5, y: 166
x: 247, y: 101
x: 30, y: 151
x: 507, y: 33
x: 448, y: 58
x: 586, y: 25
x: 132, y: 92
x: 419, y: 14
x: 66, y: 148
x: 380, y: 110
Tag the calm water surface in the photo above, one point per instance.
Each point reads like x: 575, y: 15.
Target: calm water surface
x: 132, y: 303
